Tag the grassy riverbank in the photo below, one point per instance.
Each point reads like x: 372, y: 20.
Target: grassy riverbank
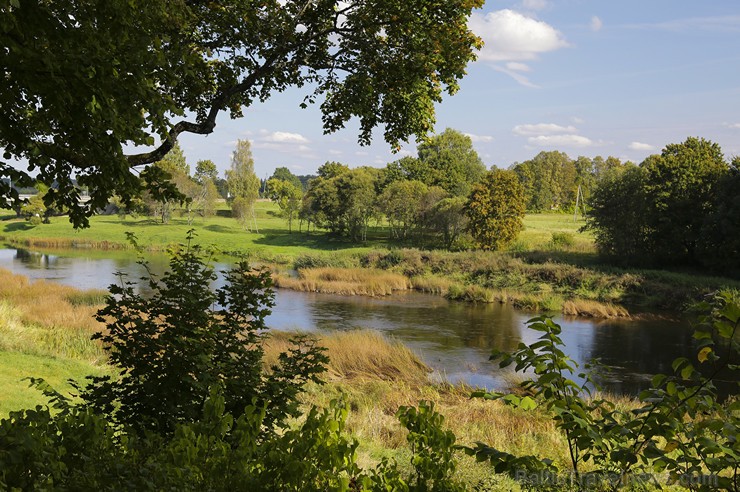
x: 551, y: 267
x: 373, y: 374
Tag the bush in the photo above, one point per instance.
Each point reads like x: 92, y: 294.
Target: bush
x: 173, y: 346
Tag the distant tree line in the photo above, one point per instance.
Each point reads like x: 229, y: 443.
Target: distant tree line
x: 677, y: 208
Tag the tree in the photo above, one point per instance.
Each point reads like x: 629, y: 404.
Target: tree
x: 668, y: 211
x: 618, y: 207
x: 174, y: 168
x: 284, y: 174
x: 549, y: 180
x: 495, y: 209
x: 401, y: 204
x: 175, y: 347
x: 288, y: 196
x: 452, y: 162
x: 244, y: 185
x: 205, y: 170
x: 74, y: 94
x: 681, y: 185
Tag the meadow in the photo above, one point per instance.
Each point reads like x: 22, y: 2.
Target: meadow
x: 553, y: 265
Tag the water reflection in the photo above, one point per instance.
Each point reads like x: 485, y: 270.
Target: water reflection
x: 456, y: 339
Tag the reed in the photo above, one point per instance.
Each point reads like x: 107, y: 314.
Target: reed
x: 594, y: 309
x: 359, y: 354
x: 344, y: 281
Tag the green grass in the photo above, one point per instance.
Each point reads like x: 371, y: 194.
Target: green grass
x: 552, y: 266
x: 225, y: 233
x: 15, y: 366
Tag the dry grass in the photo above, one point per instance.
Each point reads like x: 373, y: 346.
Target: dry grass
x: 594, y: 309
x: 49, y: 305
x: 431, y: 284
x: 359, y: 354
x: 344, y: 281
x: 45, y: 318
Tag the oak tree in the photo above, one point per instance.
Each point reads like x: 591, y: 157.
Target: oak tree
x: 85, y: 82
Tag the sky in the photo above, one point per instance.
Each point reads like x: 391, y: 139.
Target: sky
x: 586, y: 77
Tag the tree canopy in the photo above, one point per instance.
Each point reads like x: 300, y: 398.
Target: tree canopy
x: 83, y: 82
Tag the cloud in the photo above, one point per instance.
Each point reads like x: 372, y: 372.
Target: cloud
x: 561, y: 141
x: 596, y: 24
x: 542, y: 129
x: 285, y: 137
x: 641, y: 146
x: 518, y: 67
x: 335, y: 152
x: 480, y: 138
x: 512, y: 36
x: 734, y: 126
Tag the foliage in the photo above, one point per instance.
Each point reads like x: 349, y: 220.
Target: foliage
x: 681, y: 426
x: 617, y: 215
x: 342, y: 200
x: 76, y: 94
x: 663, y: 213
x: 205, y: 170
x: 448, y: 160
x: 173, y: 346
x: 288, y: 196
x: 719, y: 241
x: 284, y: 174
x: 244, y: 185
x: 495, y: 209
x: 401, y: 203
x: 35, y: 210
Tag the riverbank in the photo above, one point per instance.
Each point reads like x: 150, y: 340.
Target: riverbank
x: 552, y: 267
x: 373, y: 374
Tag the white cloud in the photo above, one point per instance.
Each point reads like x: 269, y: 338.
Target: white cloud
x: 641, y: 146
x: 561, y: 141
x: 335, y: 152
x: 512, y: 36
x: 734, y: 126
x: 596, y: 24
x: 542, y: 129
x: 577, y: 120
x: 285, y: 137
x: 518, y: 67
x: 480, y: 138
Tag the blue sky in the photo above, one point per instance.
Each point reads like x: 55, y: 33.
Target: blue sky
x: 620, y: 78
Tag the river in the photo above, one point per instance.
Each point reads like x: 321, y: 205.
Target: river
x: 454, y: 338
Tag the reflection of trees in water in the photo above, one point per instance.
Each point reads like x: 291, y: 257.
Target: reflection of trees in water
x: 33, y: 259
x: 422, y: 319
x: 640, y: 349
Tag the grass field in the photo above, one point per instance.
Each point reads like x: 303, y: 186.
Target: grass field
x: 552, y: 266
x: 226, y: 234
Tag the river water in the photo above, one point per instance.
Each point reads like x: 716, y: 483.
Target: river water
x: 454, y: 338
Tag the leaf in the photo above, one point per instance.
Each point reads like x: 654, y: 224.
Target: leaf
x: 704, y: 353
x: 670, y: 446
x: 527, y: 403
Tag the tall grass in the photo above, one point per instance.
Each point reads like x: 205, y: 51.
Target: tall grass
x: 344, y: 281
x: 359, y: 354
x: 48, y: 319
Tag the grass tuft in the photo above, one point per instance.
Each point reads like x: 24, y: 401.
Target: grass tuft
x: 344, y: 281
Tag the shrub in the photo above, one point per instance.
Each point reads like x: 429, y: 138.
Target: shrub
x: 173, y: 346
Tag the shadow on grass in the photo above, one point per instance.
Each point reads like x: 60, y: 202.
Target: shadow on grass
x: 221, y: 229
x: 315, y: 240
x: 18, y: 227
